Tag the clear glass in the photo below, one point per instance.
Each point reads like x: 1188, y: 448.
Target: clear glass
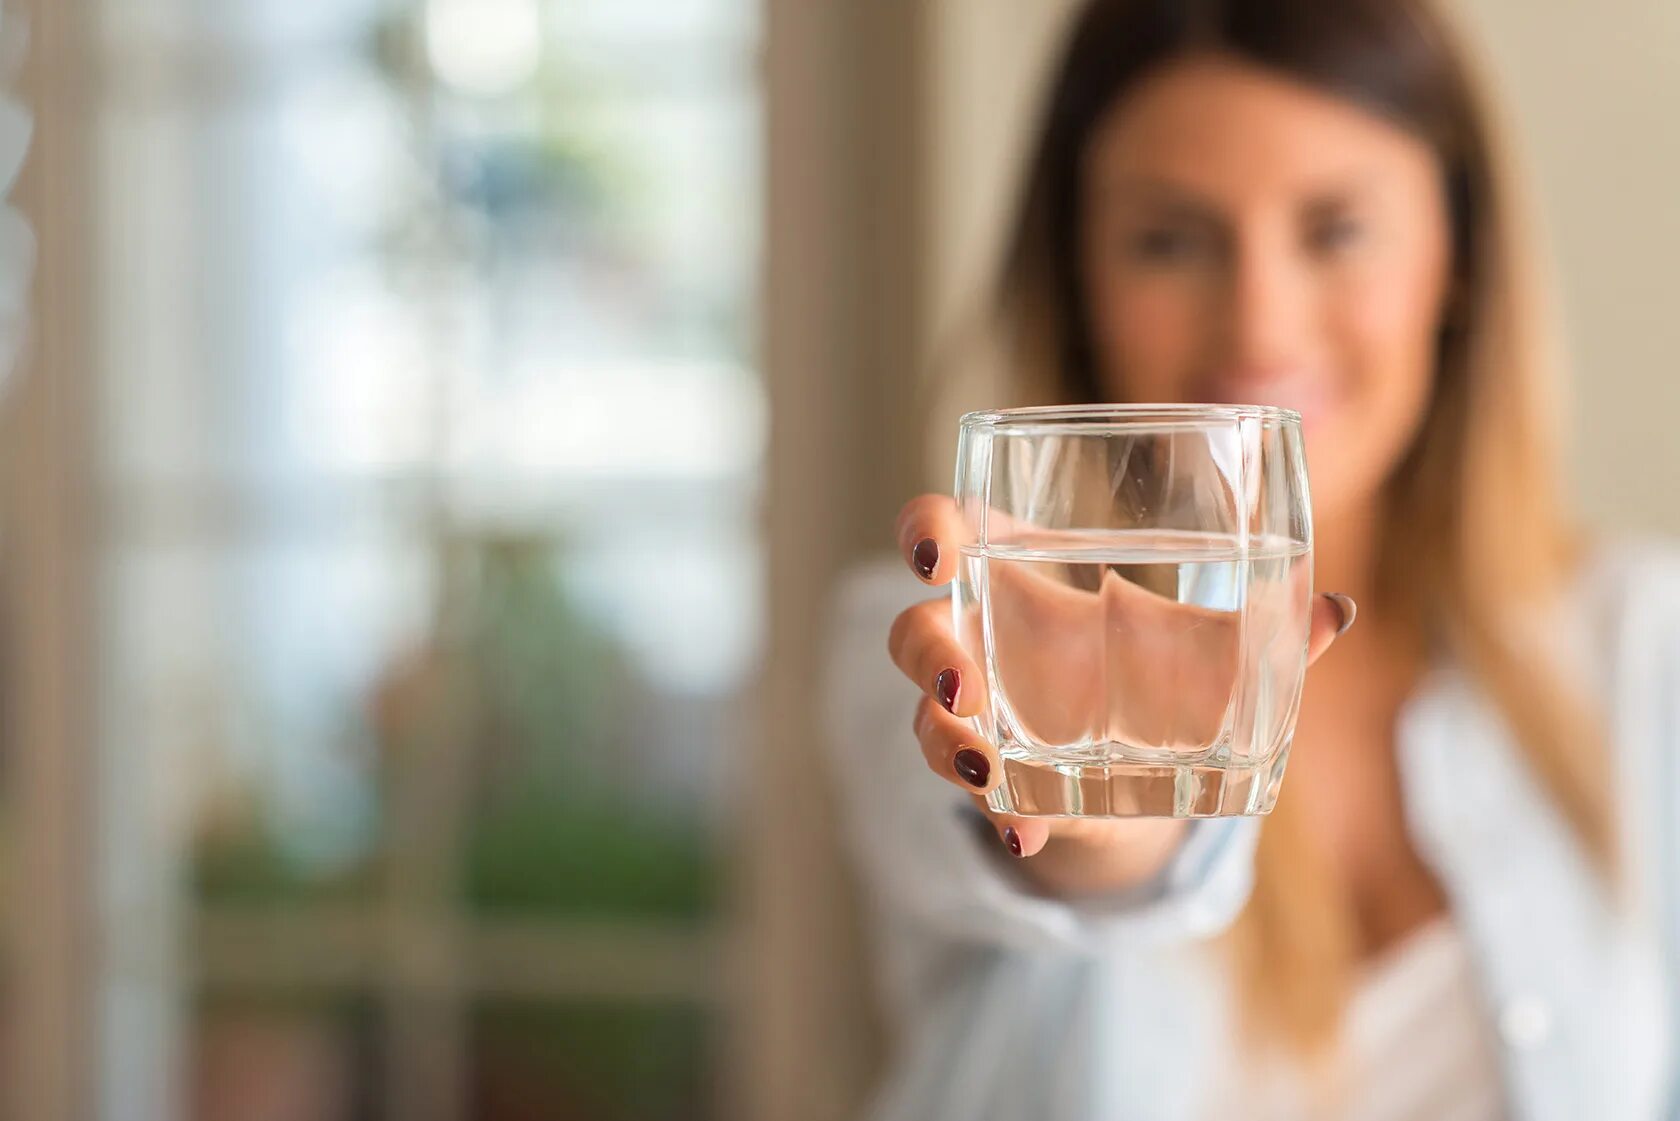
x: 1137, y: 584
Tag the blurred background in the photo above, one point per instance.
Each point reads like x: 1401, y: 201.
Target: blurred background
x: 437, y: 428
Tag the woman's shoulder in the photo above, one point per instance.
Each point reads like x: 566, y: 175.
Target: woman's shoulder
x: 1624, y: 619
x: 1629, y: 581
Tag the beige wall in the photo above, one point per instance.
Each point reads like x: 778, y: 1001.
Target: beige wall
x: 1593, y: 94
x: 1593, y: 91
x: 985, y: 59
x: 983, y: 65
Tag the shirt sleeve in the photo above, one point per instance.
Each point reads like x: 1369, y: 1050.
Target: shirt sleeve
x: 1666, y: 818
x: 926, y: 855
x: 1643, y: 579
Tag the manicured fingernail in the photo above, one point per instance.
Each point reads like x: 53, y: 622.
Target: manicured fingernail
x: 972, y: 767
x: 925, y: 556
x: 1348, y: 608
x: 1013, y: 840
x: 945, y: 688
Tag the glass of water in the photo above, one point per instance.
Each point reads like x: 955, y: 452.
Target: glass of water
x: 1136, y: 583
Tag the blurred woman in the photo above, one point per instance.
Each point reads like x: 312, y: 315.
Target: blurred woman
x: 1462, y: 905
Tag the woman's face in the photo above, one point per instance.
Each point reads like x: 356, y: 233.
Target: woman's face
x: 1249, y: 239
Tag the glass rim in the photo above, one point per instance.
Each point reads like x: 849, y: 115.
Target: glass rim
x: 1125, y: 416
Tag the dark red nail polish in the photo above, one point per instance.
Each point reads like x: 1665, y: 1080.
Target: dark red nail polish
x: 972, y: 767
x: 1013, y: 840
x: 925, y: 556
x: 945, y: 688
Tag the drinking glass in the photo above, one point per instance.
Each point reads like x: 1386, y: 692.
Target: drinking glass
x: 1136, y: 583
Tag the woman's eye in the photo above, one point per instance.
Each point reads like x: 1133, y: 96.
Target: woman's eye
x: 1165, y: 244
x: 1332, y: 234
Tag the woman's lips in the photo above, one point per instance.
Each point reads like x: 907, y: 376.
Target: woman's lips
x: 1307, y: 396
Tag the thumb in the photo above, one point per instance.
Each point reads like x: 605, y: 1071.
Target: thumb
x: 1332, y: 614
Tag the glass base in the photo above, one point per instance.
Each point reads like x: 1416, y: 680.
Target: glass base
x: 1034, y: 788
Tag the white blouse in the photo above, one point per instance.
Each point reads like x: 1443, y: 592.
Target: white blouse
x: 1417, y: 1045
x: 1001, y: 1004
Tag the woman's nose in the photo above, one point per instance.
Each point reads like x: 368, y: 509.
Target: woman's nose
x: 1267, y: 306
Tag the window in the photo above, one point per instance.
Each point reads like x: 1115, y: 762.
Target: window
x: 430, y: 446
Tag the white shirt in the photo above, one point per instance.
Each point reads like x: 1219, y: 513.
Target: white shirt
x: 1005, y: 1005
x: 1417, y: 1045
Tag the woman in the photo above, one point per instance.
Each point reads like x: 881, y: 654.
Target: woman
x: 1462, y: 905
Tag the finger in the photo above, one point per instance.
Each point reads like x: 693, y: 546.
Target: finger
x: 953, y: 751
x: 1021, y: 836
x: 923, y: 645
x: 1332, y: 615
x: 929, y: 532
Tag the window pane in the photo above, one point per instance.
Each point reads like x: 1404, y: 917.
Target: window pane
x: 431, y: 440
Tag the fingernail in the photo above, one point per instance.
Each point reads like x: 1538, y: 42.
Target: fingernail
x: 925, y: 556
x: 1013, y: 840
x: 972, y: 767
x: 945, y: 688
x: 1348, y: 608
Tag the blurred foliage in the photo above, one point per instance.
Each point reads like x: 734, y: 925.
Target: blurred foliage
x: 541, y: 695
x: 557, y: 825
x: 244, y: 863
x: 548, y: 687
x: 590, y: 1062
x: 353, y: 1014
x: 537, y: 854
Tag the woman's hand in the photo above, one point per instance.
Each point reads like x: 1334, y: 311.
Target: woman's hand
x: 1056, y: 650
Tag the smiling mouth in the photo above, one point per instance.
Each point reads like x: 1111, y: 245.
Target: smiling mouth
x: 1306, y: 395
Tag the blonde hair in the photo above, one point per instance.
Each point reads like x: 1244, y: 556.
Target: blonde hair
x: 1475, y: 542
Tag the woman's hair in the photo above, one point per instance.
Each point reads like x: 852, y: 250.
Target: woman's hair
x: 1474, y: 543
